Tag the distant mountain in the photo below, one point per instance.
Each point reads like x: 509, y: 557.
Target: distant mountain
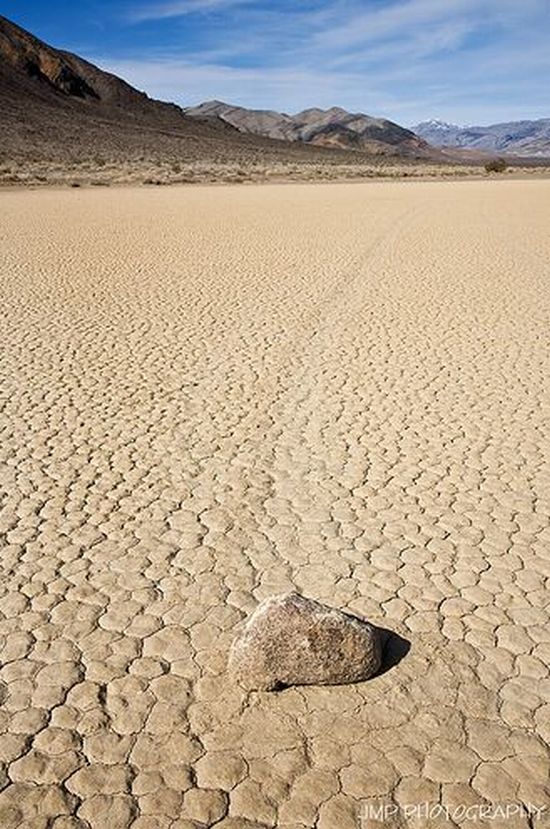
x: 518, y: 138
x: 327, y: 128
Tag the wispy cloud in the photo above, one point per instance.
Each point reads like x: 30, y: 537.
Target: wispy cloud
x: 161, y: 11
x: 461, y: 60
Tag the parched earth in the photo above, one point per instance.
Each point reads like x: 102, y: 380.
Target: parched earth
x: 216, y: 394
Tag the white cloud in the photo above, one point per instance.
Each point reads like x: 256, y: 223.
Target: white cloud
x: 162, y: 11
x: 189, y: 83
x: 403, y: 17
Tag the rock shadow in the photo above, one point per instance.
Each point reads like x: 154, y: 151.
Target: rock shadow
x: 394, y: 649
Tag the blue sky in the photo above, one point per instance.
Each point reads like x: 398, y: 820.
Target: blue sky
x: 465, y: 61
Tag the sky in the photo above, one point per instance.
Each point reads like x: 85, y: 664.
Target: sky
x: 463, y: 61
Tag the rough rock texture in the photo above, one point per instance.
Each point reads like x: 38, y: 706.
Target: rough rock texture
x: 291, y: 640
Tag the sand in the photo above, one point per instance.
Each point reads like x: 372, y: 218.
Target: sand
x: 217, y: 394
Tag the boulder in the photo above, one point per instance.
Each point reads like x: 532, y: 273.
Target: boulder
x: 291, y: 640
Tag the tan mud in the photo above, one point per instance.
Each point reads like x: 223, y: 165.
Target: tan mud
x: 213, y: 395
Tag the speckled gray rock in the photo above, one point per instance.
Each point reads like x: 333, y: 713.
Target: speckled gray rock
x: 291, y: 640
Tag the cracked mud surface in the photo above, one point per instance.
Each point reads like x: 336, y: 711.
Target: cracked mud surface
x: 213, y: 395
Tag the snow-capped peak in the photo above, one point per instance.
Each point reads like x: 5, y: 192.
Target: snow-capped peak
x: 436, y: 124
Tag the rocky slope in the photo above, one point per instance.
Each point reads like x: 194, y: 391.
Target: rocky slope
x: 56, y: 71
x: 59, y: 108
x: 333, y: 127
x: 518, y: 138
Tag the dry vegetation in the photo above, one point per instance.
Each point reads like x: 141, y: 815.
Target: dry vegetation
x: 100, y: 171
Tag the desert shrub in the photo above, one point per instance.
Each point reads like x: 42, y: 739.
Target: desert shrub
x: 496, y: 165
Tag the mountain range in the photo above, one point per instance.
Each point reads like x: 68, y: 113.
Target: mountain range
x: 333, y: 127
x: 60, y: 112
x: 529, y: 139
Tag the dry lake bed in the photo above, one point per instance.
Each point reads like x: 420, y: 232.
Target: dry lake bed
x: 216, y: 394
